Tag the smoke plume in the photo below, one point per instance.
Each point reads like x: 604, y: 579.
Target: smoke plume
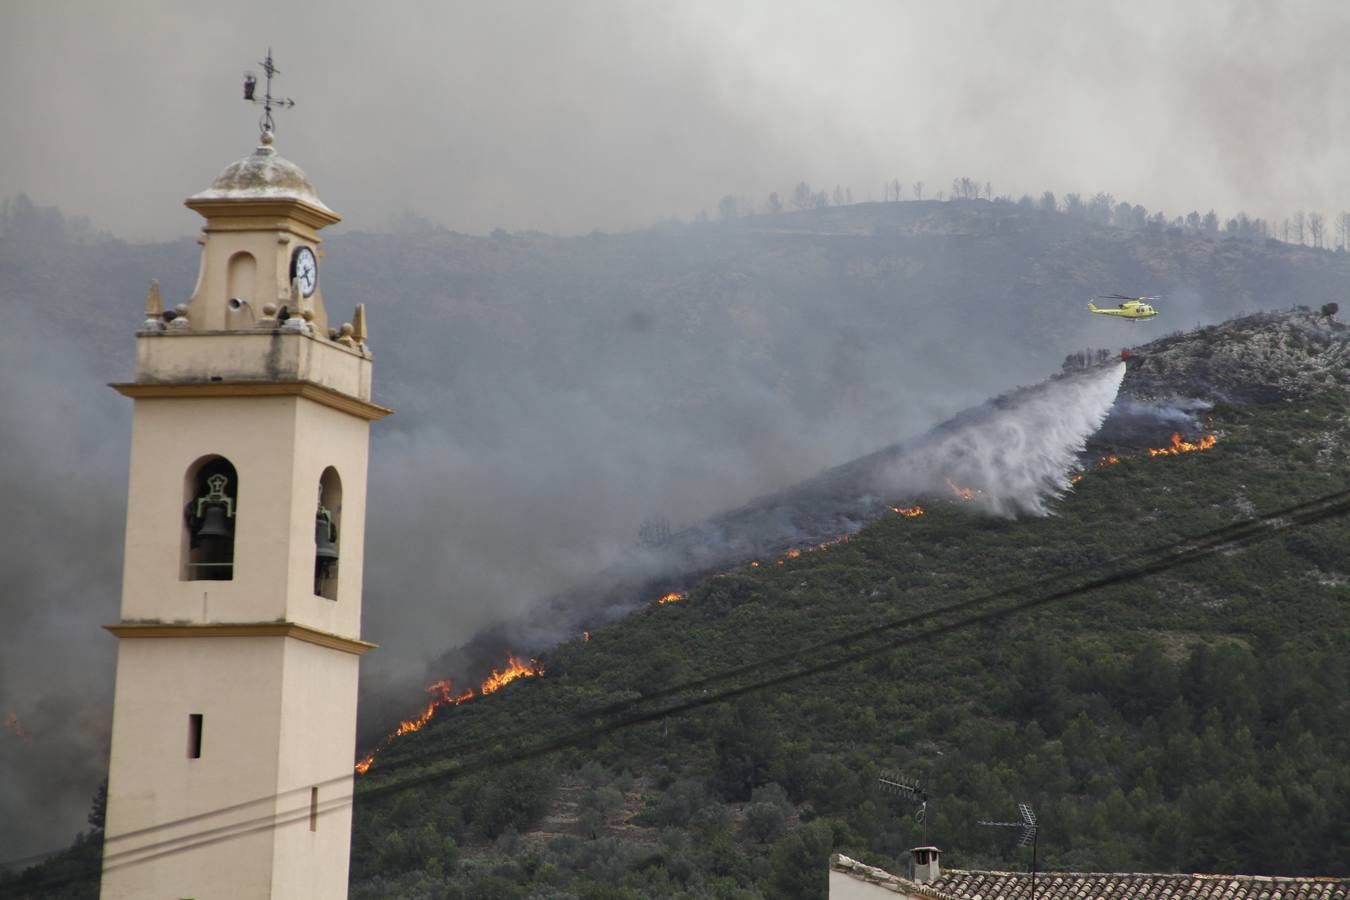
x: 63, y: 442
x: 1015, y: 454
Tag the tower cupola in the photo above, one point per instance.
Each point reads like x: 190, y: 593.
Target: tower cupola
x: 260, y: 247
x: 263, y: 175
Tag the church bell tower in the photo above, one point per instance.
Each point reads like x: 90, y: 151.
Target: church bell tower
x: 235, y: 709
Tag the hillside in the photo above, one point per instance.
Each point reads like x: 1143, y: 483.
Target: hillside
x: 555, y: 395
x: 585, y: 386
x: 1193, y: 719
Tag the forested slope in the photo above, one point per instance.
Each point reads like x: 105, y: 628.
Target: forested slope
x: 1192, y: 718
x: 555, y: 392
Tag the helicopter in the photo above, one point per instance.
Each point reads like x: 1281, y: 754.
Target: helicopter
x: 1132, y: 308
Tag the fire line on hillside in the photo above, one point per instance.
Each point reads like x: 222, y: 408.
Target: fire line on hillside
x: 444, y: 695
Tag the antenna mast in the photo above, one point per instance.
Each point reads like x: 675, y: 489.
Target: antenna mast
x: 1030, y: 830
x: 265, y: 124
x: 894, y: 783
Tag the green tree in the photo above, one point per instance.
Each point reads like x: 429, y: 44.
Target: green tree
x: 800, y: 862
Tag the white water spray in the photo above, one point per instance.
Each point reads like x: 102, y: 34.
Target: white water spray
x: 1017, y: 453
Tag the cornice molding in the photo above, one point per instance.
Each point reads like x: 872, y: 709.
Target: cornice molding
x: 243, y: 629
x: 262, y: 207
x: 362, y: 409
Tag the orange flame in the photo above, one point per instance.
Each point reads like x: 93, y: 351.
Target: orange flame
x: 1101, y: 464
x: 1179, y: 446
x: 912, y: 512
x: 964, y: 493
x: 444, y: 695
x: 514, y: 669
x: 672, y: 597
x: 798, y: 551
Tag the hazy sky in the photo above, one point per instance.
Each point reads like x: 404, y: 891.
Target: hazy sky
x: 571, y: 116
x: 568, y: 117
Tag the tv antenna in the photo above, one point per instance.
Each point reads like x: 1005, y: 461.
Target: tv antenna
x: 267, y: 100
x: 1030, y: 829
x: 912, y: 788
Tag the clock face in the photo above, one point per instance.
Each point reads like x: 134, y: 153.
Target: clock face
x: 306, y: 268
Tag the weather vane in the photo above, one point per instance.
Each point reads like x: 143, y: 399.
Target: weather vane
x: 267, y: 100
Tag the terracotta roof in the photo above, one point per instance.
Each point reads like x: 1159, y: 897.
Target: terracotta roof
x: 1131, y: 886
x: 960, y: 884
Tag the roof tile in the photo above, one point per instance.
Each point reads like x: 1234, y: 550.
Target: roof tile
x: 961, y: 884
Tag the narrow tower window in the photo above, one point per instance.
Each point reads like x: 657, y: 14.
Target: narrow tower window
x: 314, y: 809
x: 327, y: 534
x: 195, y: 736
x: 209, y: 520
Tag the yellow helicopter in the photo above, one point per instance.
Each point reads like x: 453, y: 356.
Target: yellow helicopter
x: 1132, y: 308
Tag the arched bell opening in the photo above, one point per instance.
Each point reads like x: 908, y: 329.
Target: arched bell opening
x: 327, y: 534
x: 240, y: 282
x: 211, y: 489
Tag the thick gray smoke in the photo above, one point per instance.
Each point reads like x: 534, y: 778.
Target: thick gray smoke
x: 1016, y: 453
x: 63, y: 442
x: 1017, y: 456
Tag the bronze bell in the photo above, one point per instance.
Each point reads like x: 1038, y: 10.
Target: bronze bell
x: 325, y: 536
x: 215, y: 523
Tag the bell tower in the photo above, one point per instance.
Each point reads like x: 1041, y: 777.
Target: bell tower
x: 235, y: 708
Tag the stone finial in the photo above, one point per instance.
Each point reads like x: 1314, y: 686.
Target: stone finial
x: 345, y: 336
x: 180, y: 320
x: 359, y: 333
x: 298, y: 296
x: 154, y: 305
x: 154, y: 309
x: 298, y: 320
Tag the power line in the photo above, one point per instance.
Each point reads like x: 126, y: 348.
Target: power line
x: 1181, y: 553
x: 583, y: 736
x: 796, y: 655
x: 1204, y: 545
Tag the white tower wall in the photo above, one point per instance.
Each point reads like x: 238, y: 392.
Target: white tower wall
x: 235, y: 706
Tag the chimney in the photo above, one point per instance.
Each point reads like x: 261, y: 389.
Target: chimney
x: 924, y: 864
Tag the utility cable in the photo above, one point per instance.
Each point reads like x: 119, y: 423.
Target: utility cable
x: 1182, y: 552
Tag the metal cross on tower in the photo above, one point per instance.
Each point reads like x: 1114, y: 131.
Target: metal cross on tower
x: 267, y: 100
